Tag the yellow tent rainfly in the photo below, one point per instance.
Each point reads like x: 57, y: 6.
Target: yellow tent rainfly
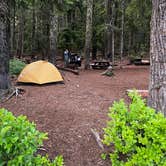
x: 40, y: 72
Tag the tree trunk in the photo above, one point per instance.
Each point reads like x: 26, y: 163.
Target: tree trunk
x: 129, y: 42
x: 88, y: 36
x: 157, y: 86
x: 4, y: 45
x: 53, y: 36
x: 94, y: 52
x: 108, y: 37
x: 12, y: 27
x: 20, y: 42
x: 113, y: 33
x: 33, y: 27
x: 122, y: 30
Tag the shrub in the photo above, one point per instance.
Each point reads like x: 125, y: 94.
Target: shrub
x: 136, y: 133
x: 19, y: 141
x: 16, y: 66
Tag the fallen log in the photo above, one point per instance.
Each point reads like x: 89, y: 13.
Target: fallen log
x: 69, y: 70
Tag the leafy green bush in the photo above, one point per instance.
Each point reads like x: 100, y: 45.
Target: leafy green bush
x: 16, y: 66
x: 137, y: 133
x: 19, y: 141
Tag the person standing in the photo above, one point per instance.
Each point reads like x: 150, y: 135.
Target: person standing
x: 66, y: 57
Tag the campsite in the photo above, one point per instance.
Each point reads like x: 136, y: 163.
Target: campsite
x: 82, y: 82
x: 69, y: 111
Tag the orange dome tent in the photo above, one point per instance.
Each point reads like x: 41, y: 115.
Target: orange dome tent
x: 40, y: 72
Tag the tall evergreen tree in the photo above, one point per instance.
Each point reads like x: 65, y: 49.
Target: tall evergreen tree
x: 108, y: 38
x: 53, y: 34
x: 157, y: 86
x: 4, y: 44
x: 88, y: 36
x: 22, y: 5
x: 122, y: 29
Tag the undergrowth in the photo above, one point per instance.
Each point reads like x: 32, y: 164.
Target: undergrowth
x: 16, y: 66
x: 19, y: 142
x: 136, y: 133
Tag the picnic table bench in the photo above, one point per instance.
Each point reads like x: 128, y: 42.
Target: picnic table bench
x: 140, y: 61
x: 100, y: 65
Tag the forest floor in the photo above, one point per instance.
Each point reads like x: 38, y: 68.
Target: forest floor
x: 68, y: 111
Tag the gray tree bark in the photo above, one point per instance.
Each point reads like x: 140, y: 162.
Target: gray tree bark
x: 129, y: 42
x: 33, y: 44
x: 20, y: 42
x: 53, y: 36
x: 12, y: 26
x: 157, y: 86
x: 113, y: 33
x: 108, y: 37
x: 122, y: 29
x: 88, y: 36
x: 4, y: 45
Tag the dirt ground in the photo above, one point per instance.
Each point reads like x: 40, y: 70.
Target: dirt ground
x: 67, y: 112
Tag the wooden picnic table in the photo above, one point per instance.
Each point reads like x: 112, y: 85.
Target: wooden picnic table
x: 100, y: 65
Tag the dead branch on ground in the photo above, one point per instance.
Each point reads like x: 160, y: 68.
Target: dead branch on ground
x: 97, y: 137
x: 15, y: 92
x: 108, y: 72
